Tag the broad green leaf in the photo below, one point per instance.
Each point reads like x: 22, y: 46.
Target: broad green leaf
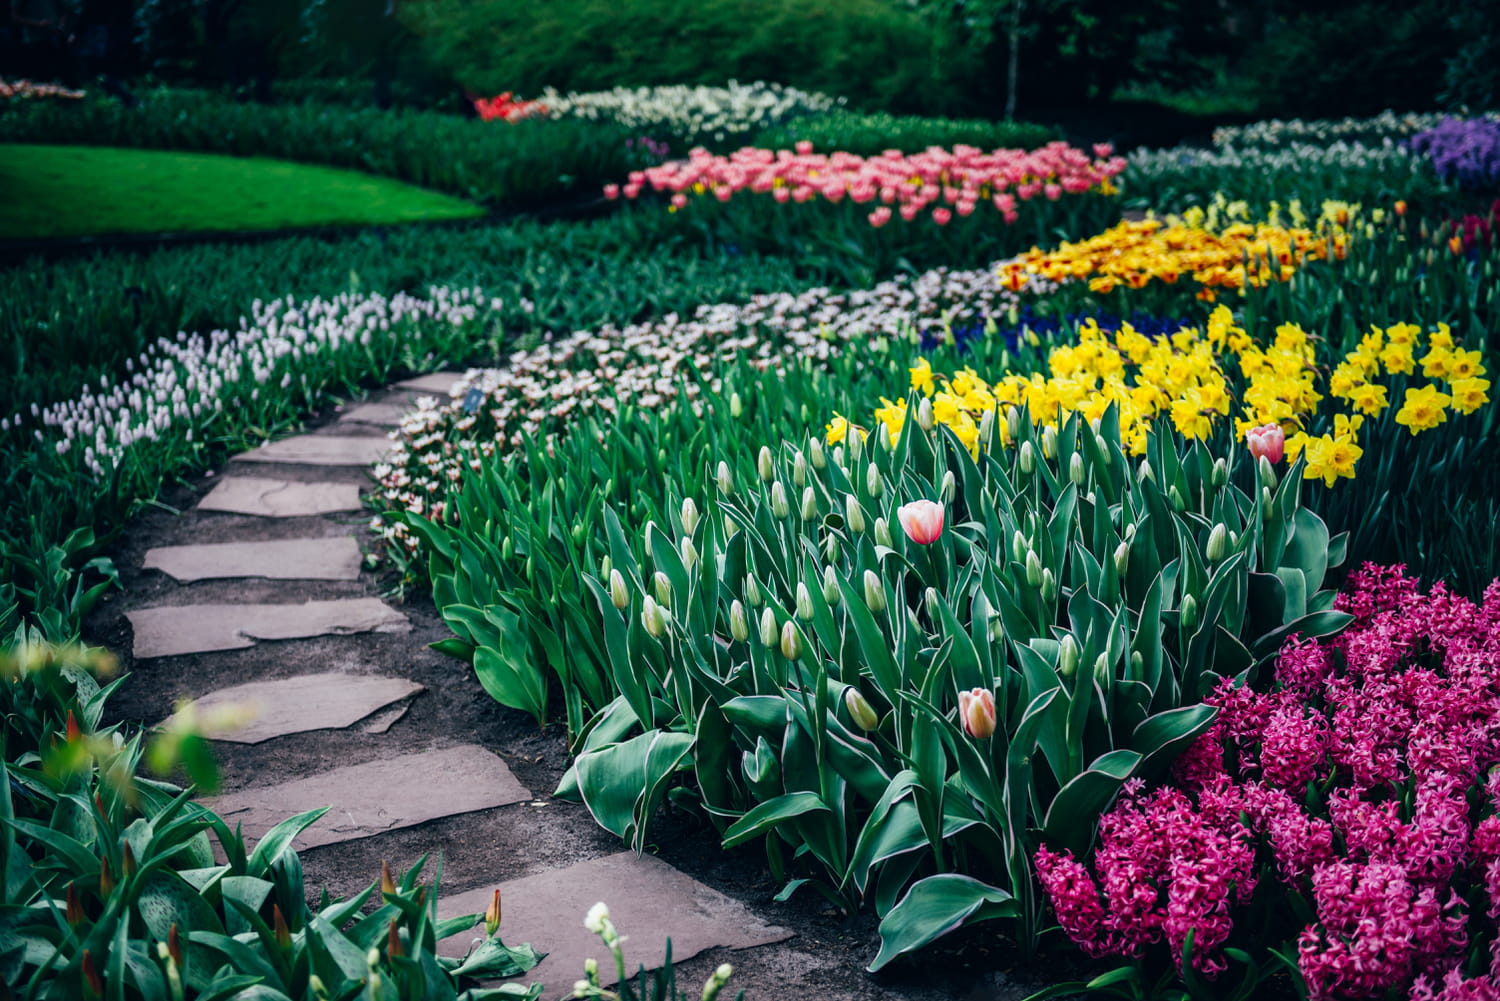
x: 935, y: 906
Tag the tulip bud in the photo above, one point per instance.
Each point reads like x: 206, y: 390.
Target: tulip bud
x: 752, y: 591
x: 736, y: 406
x: 739, y: 626
x: 605, y: 566
x: 663, y: 585
x: 931, y: 598
x: 1101, y: 671
x: 1067, y: 656
x: 726, y: 479
x: 780, y: 507
x: 1267, y: 472
x: 1137, y: 664
x: 393, y: 947
x: 1026, y: 459
x: 1265, y: 502
x: 688, y: 552
x: 830, y: 548
x: 882, y: 533
x: 830, y: 586
x: 987, y: 424
x: 74, y: 907
x: 976, y: 711
x: 1145, y: 472
x: 874, y: 592
x: 1104, y: 448
x: 768, y: 628
x: 127, y: 861
x: 804, y: 602
x: 1220, y: 475
x: 996, y: 628
x: 860, y: 710
x: 949, y: 487
x: 1122, y: 559
x: 1049, y: 586
x: 874, y: 485
x: 809, y: 504
x: 799, y: 470
x: 854, y: 515
x: 507, y: 549
x: 1218, y: 537
x: 815, y: 451
x: 838, y: 457
x: 106, y: 879
x: 91, y: 978
x: 925, y: 420
x: 387, y: 882
x: 765, y: 465
x: 1175, y: 496
x: 492, y: 915
x: 653, y: 618
x: 1013, y: 422
x: 1189, y: 611
x: 689, y: 515
x: 1049, y: 442
x: 1268, y: 441
x: 1033, y: 568
x: 791, y: 640
x: 1018, y: 547
x: 1075, y: 469
x: 856, y: 447
x: 278, y: 923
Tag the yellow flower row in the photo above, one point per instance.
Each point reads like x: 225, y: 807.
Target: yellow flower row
x: 1199, y: 380
x: 1215, y: 248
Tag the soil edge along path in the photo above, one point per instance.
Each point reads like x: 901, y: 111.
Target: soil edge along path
x: 257, y: 596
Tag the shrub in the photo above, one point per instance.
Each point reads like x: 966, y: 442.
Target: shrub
x: 868, y: 51
x: 871, y: 134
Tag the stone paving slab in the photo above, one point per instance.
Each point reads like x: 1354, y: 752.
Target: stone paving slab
x: 270, y: 498
x: 381, y: 795
x: 328, y: 701
x: 319, y: 450
x: 386, y: 415
x: 172, y: 630
x: 335, y: 558
x: 440, y: 383
x: 648, y: 900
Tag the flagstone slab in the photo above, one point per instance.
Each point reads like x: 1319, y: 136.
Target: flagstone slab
x: 269, y: 498
x: 382, y: 795
x: 648, y: 900
x: 179, y: 629
x: 440, y: 383
x: 386, y: 415
x: 329, y: 701
x: 319, y: 450
x: 335, y: 558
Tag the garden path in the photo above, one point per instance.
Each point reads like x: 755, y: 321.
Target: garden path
x: 256, y: 597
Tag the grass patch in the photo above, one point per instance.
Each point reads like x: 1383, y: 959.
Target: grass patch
x: 60, y: 191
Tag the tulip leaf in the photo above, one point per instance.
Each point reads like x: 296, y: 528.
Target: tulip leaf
x: 269, y: 849
x: 935, y: 906
x: 1076, y: 807
x: 623, y: 784
x: 765, y: 816
x: 1162, y: 737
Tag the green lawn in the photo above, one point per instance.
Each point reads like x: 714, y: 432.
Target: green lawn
x: 54, y: 191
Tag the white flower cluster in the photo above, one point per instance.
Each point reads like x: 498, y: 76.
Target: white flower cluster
x: 180, y: 385
x: 593, y: 372
x: 1297, y: 158
x: 1322, y: 132
x: 692, y: 114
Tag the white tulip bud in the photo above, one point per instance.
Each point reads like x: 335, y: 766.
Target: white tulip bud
x: 854, y: 515
x: 779, y: 504
x: 619, y: 596
x: 739, y: 625
x: 765, y: 464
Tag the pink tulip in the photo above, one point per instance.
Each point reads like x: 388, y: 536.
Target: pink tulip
x: 908, y: 212
x: 922, y: 520
x: 1267, y: 441
x: 781, y: 194
x: 804, y: 147
x: 941, y: 216
x: 976, y: 710
x: 632, y: 190
x: 880, y: 216
x: 1102, y: 150
x: 611, y: 191
x: 679, y: 200
x: 965, y: 207
x: 1052, y: 191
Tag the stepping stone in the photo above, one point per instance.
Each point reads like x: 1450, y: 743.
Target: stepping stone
x: 319, y: 450
x: 648, y: 900
x: 382, y: 795
x: 440, y: 383
x: 166, y: 632
x: 280, y: 498
x: 292, y: 559
x: 310, y: 702
x: 386, y: 415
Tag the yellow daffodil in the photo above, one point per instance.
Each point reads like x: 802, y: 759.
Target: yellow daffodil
x: 1423, y: 409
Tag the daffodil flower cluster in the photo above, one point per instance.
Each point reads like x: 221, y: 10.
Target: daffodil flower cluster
x: 1386, y: 126
x: 1196, y: 382
x: 1217, y: 249
x: 692, y: 114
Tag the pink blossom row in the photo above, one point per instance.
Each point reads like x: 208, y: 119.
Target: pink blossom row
x: 951, y: 182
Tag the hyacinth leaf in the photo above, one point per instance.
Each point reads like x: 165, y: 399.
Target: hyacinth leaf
x: 1069, y: 820
x: 269, y: 850
x: 935, y: 906
x: 765, y: 817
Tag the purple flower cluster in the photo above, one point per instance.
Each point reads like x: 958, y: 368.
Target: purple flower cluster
x: 1463, y: 150
x: 1366, y: 783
